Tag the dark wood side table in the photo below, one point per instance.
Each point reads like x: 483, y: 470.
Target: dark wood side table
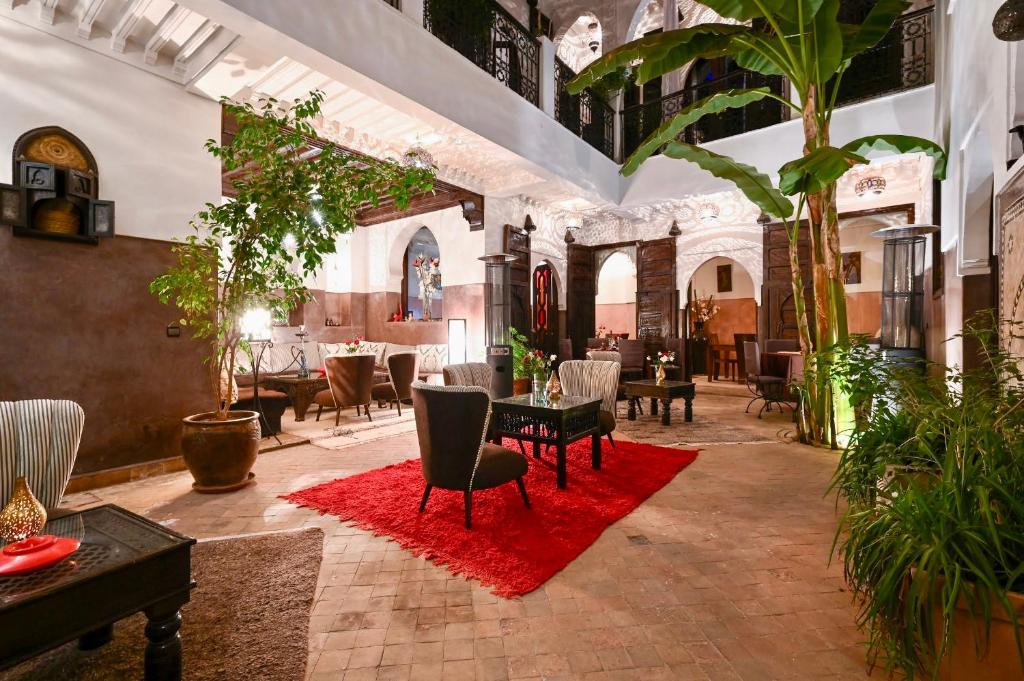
x: 664, y: 393
x: 546, y: 422
x: 126, y: 564
x: 300, y: 391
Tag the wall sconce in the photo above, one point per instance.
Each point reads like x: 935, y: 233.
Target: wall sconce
x: 457, y: 341
x: 708, y: 212
x: 870, y: 185
x: 674, y: 229
x: 569, y: 238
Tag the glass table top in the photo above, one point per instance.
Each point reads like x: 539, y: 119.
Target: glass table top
x: 542, y: 402
x: 111, y: 538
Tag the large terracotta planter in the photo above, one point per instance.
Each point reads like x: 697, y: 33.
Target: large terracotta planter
x: 1000, y: 662
x: 220, y: 454
x: 522, y: 386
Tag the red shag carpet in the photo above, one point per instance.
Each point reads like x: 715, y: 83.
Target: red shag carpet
x: 511, y: 549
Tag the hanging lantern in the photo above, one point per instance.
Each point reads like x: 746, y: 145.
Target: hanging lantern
x: 1008, y: 23
x: 870, y: 185
x: 708, y: 212
x: 419, y: 158
x: 674, y: 229
x: 569, y: 238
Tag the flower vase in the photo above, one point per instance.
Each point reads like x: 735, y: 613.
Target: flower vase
x: 23, y: 516
x: 698, y: 330
x: 659, y: 374
x: 425, y: 301
x: 553, y: 388
x: 539, y: 389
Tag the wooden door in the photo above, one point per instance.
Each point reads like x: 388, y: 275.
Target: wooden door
x: 778, y: 318
x: 657, y: 298
x: 545, y: 309
x: 580, y: 297
x: 517, y: 242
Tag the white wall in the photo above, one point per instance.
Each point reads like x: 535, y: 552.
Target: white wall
x: 616, y: 282
x: 705, y: 280
x: 146, y: 133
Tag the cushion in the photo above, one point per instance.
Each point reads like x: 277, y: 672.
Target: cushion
x: 433, y: 357
x: 327, y: 349
x: 382, y: 391
x: 324, y: 398
x: 498, y: 466
x: 377, y: 349
x: 395, y: 348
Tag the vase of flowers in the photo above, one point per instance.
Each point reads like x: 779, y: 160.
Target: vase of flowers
x: 428, y: 272
x: 353, y: 345
x: 537, y: 365
x: 660, y: 361
x: 703, y: 310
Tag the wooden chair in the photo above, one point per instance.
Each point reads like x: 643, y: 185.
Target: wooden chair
x: 770, y: 389
x: 403, y: 369
x: 350, y: 384
x: 720, y: 359
x: 738, y: 340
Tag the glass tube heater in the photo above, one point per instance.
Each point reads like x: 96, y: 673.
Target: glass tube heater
x: 497, y: 320
x: 903, y: 266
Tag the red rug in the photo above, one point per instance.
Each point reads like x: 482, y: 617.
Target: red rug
x: 511, y: 548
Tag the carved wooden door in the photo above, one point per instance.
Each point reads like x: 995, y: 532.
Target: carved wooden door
x: 517, y: 242
x: 657, y: 299
x: 778, y: 319
x: 580, y: 296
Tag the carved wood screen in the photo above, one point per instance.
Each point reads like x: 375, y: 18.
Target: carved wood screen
x: 517, y: 242
x: 657, y: 299
x: 1010, y: 214
x: 580, y: 296
x: 545, y: 309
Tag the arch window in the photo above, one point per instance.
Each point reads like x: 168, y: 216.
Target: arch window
x: 421, y: 291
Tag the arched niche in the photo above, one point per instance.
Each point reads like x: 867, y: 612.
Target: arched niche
x: 422, y: 294
x: 573, y: 43
x: 56, y: 146
x: 734, y: 289
x: 546, y: 292
x: 615, y: 299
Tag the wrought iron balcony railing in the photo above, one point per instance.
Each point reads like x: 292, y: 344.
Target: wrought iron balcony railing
x: 483, y: 32
x: 641, y: 120
x: 903, y: 60
x: 397, y: 4
x: 586, y: 114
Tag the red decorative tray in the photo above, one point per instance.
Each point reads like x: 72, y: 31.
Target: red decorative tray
x: 35, y: 553
x: 322, y: 371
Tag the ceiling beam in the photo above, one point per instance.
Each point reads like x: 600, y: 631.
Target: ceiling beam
x: 126, y: 24
x: 88, y: 10
x: 47, y: 11
x: 189, y: 48
x: 164, y: 30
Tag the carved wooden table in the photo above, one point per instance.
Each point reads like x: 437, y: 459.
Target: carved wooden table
x: 664, y: 393
x: 544, y: 422
x: 125, y: 564
x: 300, y: 391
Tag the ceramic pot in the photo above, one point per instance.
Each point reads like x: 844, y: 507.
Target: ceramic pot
x: 23, y: 516
x: 220, y: 454
x: 521, y: 386
x: 1000, y: 661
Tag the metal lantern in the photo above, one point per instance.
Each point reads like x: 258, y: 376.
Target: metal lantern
x: 1008, y: 23
x: 497, y: 320
x: 903, y: 289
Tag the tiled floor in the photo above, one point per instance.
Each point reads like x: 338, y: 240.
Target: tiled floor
x: 721, y: 575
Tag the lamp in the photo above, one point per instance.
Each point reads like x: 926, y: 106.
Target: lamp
x: 870, y: 185
x: 674, y: 229
x: 903, y: 290
x: 569, y: 238
x: 256, y: 324
x: 528, y: 225
x: 456, y: 341
x: 418, y: 157
x: 707, y: 212
x: 1008, y: 23
x: 256, y: 327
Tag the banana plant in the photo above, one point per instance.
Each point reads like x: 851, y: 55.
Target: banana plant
x: 804, y: 41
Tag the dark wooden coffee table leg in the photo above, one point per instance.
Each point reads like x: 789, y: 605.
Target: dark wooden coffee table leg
x: 666, y: 412
x: 654, y: 406
x: 688, y: 409
x: 96, y: 638
x: 163, y: 652
x: 301, y: 399
x: 631, y: 412
x: 595, y: 450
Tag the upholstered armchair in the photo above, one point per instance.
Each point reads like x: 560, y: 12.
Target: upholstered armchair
x: 769, y: 389
x: 605, y: 356
x: 39, y: 439
x: 350, y: 383
x: 593, y: 378
x: 450, y: 424
x: 403, y: 368
x: 479, y: 374
x: 632, y: 352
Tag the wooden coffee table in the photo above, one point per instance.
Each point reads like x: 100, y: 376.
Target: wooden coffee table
x: 661, y: 392
x: 544, y: 422
x: 300, y: 391
x: 126, y: 564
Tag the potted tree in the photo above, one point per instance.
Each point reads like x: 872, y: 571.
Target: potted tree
x: 935, y: 553
x: 804, y: 41
x: 253, y: 253
x: 521, y: 376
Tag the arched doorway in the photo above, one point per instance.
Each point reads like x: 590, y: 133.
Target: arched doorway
x: 729, y: 289
x: 545, y: 308
x: 421, y: 286
x: 615, y: 302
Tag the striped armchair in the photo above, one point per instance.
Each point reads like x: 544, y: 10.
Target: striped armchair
x: 593, y: 378
x: 477, y: 374
x: 39, y: 439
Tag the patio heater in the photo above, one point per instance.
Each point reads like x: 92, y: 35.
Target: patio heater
x: 903, y: 291
x: 497, y: 320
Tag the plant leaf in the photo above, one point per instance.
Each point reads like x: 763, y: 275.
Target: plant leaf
x: 754, y: 184
x: 670, y: 129
x: 790, y: 11
x: 826, y: 42
x: 903, y: 144
x: 660, y: 53
x: 743, y: 9
x: 876, y: 25
x: 756, y: 58
x: 816, y: 170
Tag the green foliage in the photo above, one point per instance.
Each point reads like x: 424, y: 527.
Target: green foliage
x: 520, y: 349
x: 237, y: 258
x: 901, y: 144
x: 950, y: 529
x: 876, y: 25
x: 811, y: 173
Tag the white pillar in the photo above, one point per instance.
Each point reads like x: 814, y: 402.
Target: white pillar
x: 547, y: 76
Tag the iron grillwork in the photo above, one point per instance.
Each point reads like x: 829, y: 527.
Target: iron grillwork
x: 585, y: 115
x: 483, y: 32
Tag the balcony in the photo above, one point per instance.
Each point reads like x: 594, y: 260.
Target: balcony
x: 487, y: 35
x: 586, y: 115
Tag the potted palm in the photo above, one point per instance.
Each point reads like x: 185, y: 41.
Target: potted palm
x: 254, y: 252
x: 804, y: 41
x: 521, y: 376
x: 935, y: 553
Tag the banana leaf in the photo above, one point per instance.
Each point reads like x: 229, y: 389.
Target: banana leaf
x: 790, y: 11
x: 744, y: 9
x: 660, y: 53
x: 755, y: 185
x: 826, y: 43
x: 816, y: 170
x: 670, y: 129
x: 876, y: 25
x: 903, y: 144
